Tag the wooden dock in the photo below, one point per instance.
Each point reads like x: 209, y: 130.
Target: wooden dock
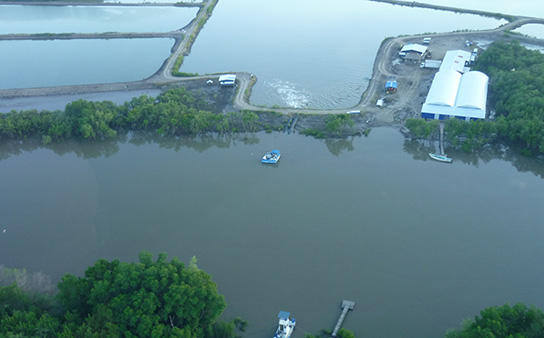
x: 346, y: 306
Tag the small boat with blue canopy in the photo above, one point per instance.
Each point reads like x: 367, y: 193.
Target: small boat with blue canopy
x: 286, y: 326
x: 271, y: 157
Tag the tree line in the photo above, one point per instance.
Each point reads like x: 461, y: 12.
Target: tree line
x: 518, y: 321
x: 150, y: 298
x: 174, y: 112
x: 516, y: 96
x: 161, y: 298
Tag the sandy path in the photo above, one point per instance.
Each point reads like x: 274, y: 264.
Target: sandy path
x: 406, y: 98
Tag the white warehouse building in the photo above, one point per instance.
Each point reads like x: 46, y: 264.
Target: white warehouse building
x: 453, y: 94
x: 457, y: 60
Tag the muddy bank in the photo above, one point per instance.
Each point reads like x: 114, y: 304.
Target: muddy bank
x: 58, y: 102
x: 218, y: 100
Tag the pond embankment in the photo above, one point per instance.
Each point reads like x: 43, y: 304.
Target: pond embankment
x: 405, y: 103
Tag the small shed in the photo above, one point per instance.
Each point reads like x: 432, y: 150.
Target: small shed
x: 227, y: 80
x: 391, y: 86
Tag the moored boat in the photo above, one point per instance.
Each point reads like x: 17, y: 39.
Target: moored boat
x: 441, y: 158
x: 271, y: 157
x: 286, y: 326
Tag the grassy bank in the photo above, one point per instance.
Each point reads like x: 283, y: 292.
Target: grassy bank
x: 191, y: 39
x: 499, y: 16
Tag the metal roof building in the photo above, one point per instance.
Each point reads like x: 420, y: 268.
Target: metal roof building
x: 455, y: 95
x: 413, y: 47
x: 227, y: 80
x: 456, y: 60
x: 413, y: 51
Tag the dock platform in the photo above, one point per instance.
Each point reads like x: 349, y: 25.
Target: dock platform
x: 346, y: 306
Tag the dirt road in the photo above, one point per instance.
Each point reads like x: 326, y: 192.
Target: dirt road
x: 412, y: 81
x: 406, y: 102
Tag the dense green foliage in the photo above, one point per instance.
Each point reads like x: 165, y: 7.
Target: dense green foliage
x: 466, y: 135
x: 504, y: 321
x: 336, y: 125
x: 421, y: 128
x: 145, y: 299
x: 314, y: 132
x: 200, y: 24
x: 516, y: 91
x: 516, y: 94
x: 174, y: 112
x: 342, y: 333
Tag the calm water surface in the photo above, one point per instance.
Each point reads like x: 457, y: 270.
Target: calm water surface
x: 92, y: 19
x: 319, y: 54
x: 369, y: 219
x: 518, y: 7
x: 534, y: 30
x: 68, y: 62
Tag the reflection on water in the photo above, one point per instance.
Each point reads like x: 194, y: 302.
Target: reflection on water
x: 109, y: 147
x: 402, y: 231
x: 420, y: 149
x: 338, y: 146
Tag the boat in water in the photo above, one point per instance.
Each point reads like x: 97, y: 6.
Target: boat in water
x: 271, y: 157
x: 441, y: 158
x: 286, y: 326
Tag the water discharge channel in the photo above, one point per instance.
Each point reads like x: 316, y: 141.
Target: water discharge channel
x: 418, y: 245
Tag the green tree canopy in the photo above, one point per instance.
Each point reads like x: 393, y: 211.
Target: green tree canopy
x: 145, y: 299
x: 174, y: 112
x: 516, y: 91
x: 516, y: 95
x: 150, y: 298
x: 518, y: 321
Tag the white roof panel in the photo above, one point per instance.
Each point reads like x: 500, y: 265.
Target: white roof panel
x: 444, y: 88
x: 227, y: 77
x: 472, y: 91
x: 454, y: 94
x: 413, y: 47
x: 455, y: 60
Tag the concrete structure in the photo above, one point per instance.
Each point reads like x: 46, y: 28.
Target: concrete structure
x: 455, y: 95
x: 227, y: 80
x: 457, y: 60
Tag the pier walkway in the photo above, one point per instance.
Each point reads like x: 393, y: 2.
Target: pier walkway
x: 346, y: 306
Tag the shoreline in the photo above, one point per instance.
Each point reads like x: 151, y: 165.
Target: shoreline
x: 186, y: 36
x: 113, y: 4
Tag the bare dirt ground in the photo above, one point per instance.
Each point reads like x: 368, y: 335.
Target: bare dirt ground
x: 413, y: 82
